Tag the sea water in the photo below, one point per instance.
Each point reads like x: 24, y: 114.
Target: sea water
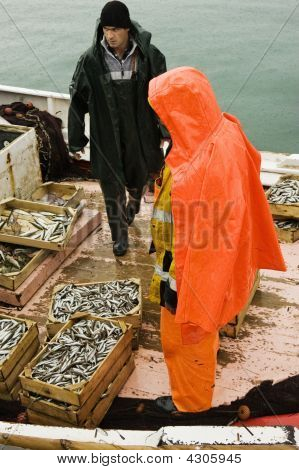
x: 249, y: 49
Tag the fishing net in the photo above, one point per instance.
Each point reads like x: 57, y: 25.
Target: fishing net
x: 267, y: 399
x: 53, y: 153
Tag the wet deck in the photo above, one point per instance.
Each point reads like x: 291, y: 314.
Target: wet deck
x: 267, y: 346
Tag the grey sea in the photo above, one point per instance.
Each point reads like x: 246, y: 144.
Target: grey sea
x: 249, y: 49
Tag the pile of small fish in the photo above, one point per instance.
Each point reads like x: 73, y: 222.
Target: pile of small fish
x: 11, y: 332
x: 285, y: 192
x: 45, y: 226
x: 13, y: 258
x: 291, y: 225
x: 116, y: 298
x: 77, y: 353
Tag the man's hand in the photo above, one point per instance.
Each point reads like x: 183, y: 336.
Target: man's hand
x: 77, y: 155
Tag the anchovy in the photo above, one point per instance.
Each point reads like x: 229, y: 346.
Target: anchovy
x: 13, y: 258
x: 116, y: 298
x: 291, y: 225
x: 46, y: 226
x: 11, y: 332
x: 52, y: 198
x: 77, y: 353
x: 284, y: 192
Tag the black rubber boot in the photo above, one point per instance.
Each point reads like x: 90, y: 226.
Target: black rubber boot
x: 133, y: 207
x: 120, y: 246
x: 165, y: 404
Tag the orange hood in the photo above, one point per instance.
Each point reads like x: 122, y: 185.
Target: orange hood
x: 223, y: 227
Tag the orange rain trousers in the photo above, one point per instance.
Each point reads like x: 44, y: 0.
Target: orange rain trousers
x: 191, y: 367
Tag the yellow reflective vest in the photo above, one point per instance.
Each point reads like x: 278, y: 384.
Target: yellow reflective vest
x: 162, y: 230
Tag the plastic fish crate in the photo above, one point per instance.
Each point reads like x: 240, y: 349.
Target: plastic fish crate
x: 88, y: 390
x: 134, y: 317
x: 287, y: 211
x: 28, y: 206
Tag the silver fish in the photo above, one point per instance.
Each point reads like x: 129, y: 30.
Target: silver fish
x: 116, y: 298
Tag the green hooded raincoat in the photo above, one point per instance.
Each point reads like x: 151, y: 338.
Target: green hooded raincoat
x: 92, y: 91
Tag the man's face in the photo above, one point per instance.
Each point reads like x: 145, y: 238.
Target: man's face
x: 116, y: 37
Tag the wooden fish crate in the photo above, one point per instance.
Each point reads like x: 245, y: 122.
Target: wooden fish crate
x: 9, y: 204
x: 13, y: 281
x: 232, y: 328
x: 20, y: 171
x: 68, y: 192
x: 287, y: 235
x: 19, y: 357
x: 78, y: 394
x: 91, y: 413
x: 287, y: 211
x: 134, y: 317
x: 13, y: 395
x: 17, y: 353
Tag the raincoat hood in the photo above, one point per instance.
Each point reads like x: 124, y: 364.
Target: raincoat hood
x: 141, y: 36
x: 223, y: 229
x: 195, y: 113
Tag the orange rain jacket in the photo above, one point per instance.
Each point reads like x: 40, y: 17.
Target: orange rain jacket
x: 223, y: 227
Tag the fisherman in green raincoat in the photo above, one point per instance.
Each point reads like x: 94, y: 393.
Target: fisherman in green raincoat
x: 111, y: 84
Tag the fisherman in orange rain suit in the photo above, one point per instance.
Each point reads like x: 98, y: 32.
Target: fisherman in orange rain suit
x: 211, y: 228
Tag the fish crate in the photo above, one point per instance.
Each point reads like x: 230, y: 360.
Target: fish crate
x: 287, y: 210
x: 133, y: 317
x: 20, y: 170
x: 232, y: 328
x: 12, y: 280
x: 86, y: 393
x: 287, y: 234
x: 13, y: 395
x: 40, y: 411
x: 60, y: 194
x: 22, y: 220
x: 19, y: 356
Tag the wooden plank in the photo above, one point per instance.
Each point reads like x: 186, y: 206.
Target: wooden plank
x: 30, y: 352
x: 233, y: 327
x: 37, y: 207
x: 101, y: 408
x: 13, y: 394
x: 104, y: 404
x: 89, y: 220
x: 34, y: 417
x: 12, y: 282
x: 71, y: 414
x: 287, y: 211
x: 74, y: 396
x: 21, y: 347
x: 287, y: 235
x: 68, y: 192
x: 134, y: 317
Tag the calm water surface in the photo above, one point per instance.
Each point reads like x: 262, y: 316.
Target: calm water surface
x: 41, y: 41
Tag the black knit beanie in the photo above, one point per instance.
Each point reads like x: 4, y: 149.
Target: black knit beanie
x: 115, y: 14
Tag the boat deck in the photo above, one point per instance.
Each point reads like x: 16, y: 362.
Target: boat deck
x: 267, y: 346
